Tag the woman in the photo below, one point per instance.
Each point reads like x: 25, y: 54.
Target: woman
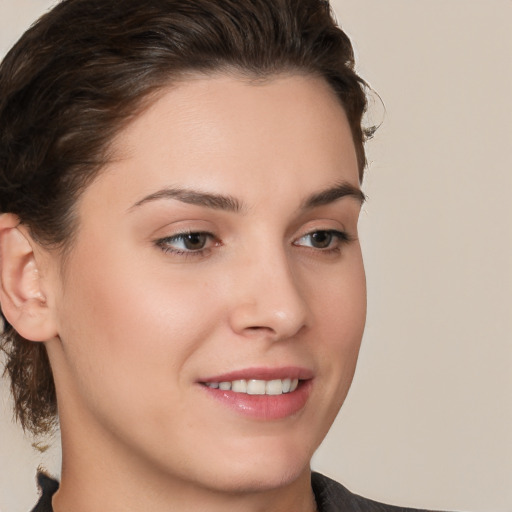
x: 180, y: 272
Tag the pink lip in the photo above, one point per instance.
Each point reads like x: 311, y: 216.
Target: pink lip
x: 263, y: 407
x: 263, y: 373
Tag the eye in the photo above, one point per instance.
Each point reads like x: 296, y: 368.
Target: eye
x: 187, y: 243
x: 328, y: 239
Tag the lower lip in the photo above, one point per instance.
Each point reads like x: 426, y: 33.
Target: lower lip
x: 264, y: 407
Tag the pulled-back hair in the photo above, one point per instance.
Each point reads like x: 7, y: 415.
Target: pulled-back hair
x: 87, y: 67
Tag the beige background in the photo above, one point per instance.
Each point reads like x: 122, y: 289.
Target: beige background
x: 429, y: 419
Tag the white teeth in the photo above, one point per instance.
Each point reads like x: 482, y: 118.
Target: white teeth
x: 257, y: 387
x: 274, y: 387
x: 239, y: 386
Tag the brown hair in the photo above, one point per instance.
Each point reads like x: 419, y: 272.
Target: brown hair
x: 85, y: 68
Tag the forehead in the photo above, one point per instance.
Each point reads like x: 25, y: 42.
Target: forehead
x: 233, y: 135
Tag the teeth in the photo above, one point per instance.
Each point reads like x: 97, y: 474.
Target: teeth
x: 257, y: 387
x: 274, y: 387
x: 239, y: 386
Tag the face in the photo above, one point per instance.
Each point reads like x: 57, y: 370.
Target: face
x: 212, y: 305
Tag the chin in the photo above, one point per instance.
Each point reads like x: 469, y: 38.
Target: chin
x: 259, y: 479
x: 262, y: 470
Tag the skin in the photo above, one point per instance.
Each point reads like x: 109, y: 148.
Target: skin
x: 137, y: 321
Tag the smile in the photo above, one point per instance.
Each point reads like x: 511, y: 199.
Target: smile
x: 260, y: 393
x: 257, y: 387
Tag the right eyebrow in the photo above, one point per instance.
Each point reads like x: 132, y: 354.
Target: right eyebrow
x: 330, y: 195
x: 196, y: 197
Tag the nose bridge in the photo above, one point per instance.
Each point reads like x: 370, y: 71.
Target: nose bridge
x: 269, y: 299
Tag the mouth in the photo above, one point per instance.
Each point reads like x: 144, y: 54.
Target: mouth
x: 257, y: 386
x: 262, y: 393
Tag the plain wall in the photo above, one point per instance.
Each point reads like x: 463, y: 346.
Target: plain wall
x: 428, y: 422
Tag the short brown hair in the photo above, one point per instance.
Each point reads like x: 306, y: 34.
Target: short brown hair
x: 85, y: 68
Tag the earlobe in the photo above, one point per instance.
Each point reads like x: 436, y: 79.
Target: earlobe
x: 23, y: 303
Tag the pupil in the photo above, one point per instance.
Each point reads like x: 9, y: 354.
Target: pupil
x: 195, y: 241
x: 321, y: 239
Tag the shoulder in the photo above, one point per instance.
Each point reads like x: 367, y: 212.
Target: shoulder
x: 333, y: 497
x: 48, y: 486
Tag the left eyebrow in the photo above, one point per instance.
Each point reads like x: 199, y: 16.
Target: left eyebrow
x: 214, y: 201
x: 333, y: 194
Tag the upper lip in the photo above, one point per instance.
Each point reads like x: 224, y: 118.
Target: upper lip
x: 262, y: 373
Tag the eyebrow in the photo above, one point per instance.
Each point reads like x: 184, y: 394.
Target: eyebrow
x: 232, y: 204
x: 196, y: 197
x: 331, y: 195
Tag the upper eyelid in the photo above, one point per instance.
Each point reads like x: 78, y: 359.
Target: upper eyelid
x: 182, y: 234
x: 310, y: 231
x: 164, y: 242
x: 189, y: 232
x: 316, y: 228
x: 186, y: 232
x: 340, y: 231
x: 342, y: 235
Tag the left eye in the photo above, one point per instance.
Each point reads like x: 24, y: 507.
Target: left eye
x: 186, y: 242
x: 323, y: 239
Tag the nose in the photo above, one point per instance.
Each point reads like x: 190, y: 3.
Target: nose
x: 268, y: 299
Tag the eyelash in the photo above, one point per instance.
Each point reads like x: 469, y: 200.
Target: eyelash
x: 164, y: 244
x: 341, y: 237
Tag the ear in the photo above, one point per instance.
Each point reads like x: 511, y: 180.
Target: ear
x: 23, y: 303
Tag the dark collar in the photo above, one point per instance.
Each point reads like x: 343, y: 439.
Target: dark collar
x: 48, y: 488
x: 333, y: 497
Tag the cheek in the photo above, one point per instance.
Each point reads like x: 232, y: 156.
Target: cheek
x: 340, y: 315
x: 339, y: 303
x: 130, y: 327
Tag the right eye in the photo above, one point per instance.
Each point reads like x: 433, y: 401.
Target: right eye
x: 190, y: 243
x: 324, y: 240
